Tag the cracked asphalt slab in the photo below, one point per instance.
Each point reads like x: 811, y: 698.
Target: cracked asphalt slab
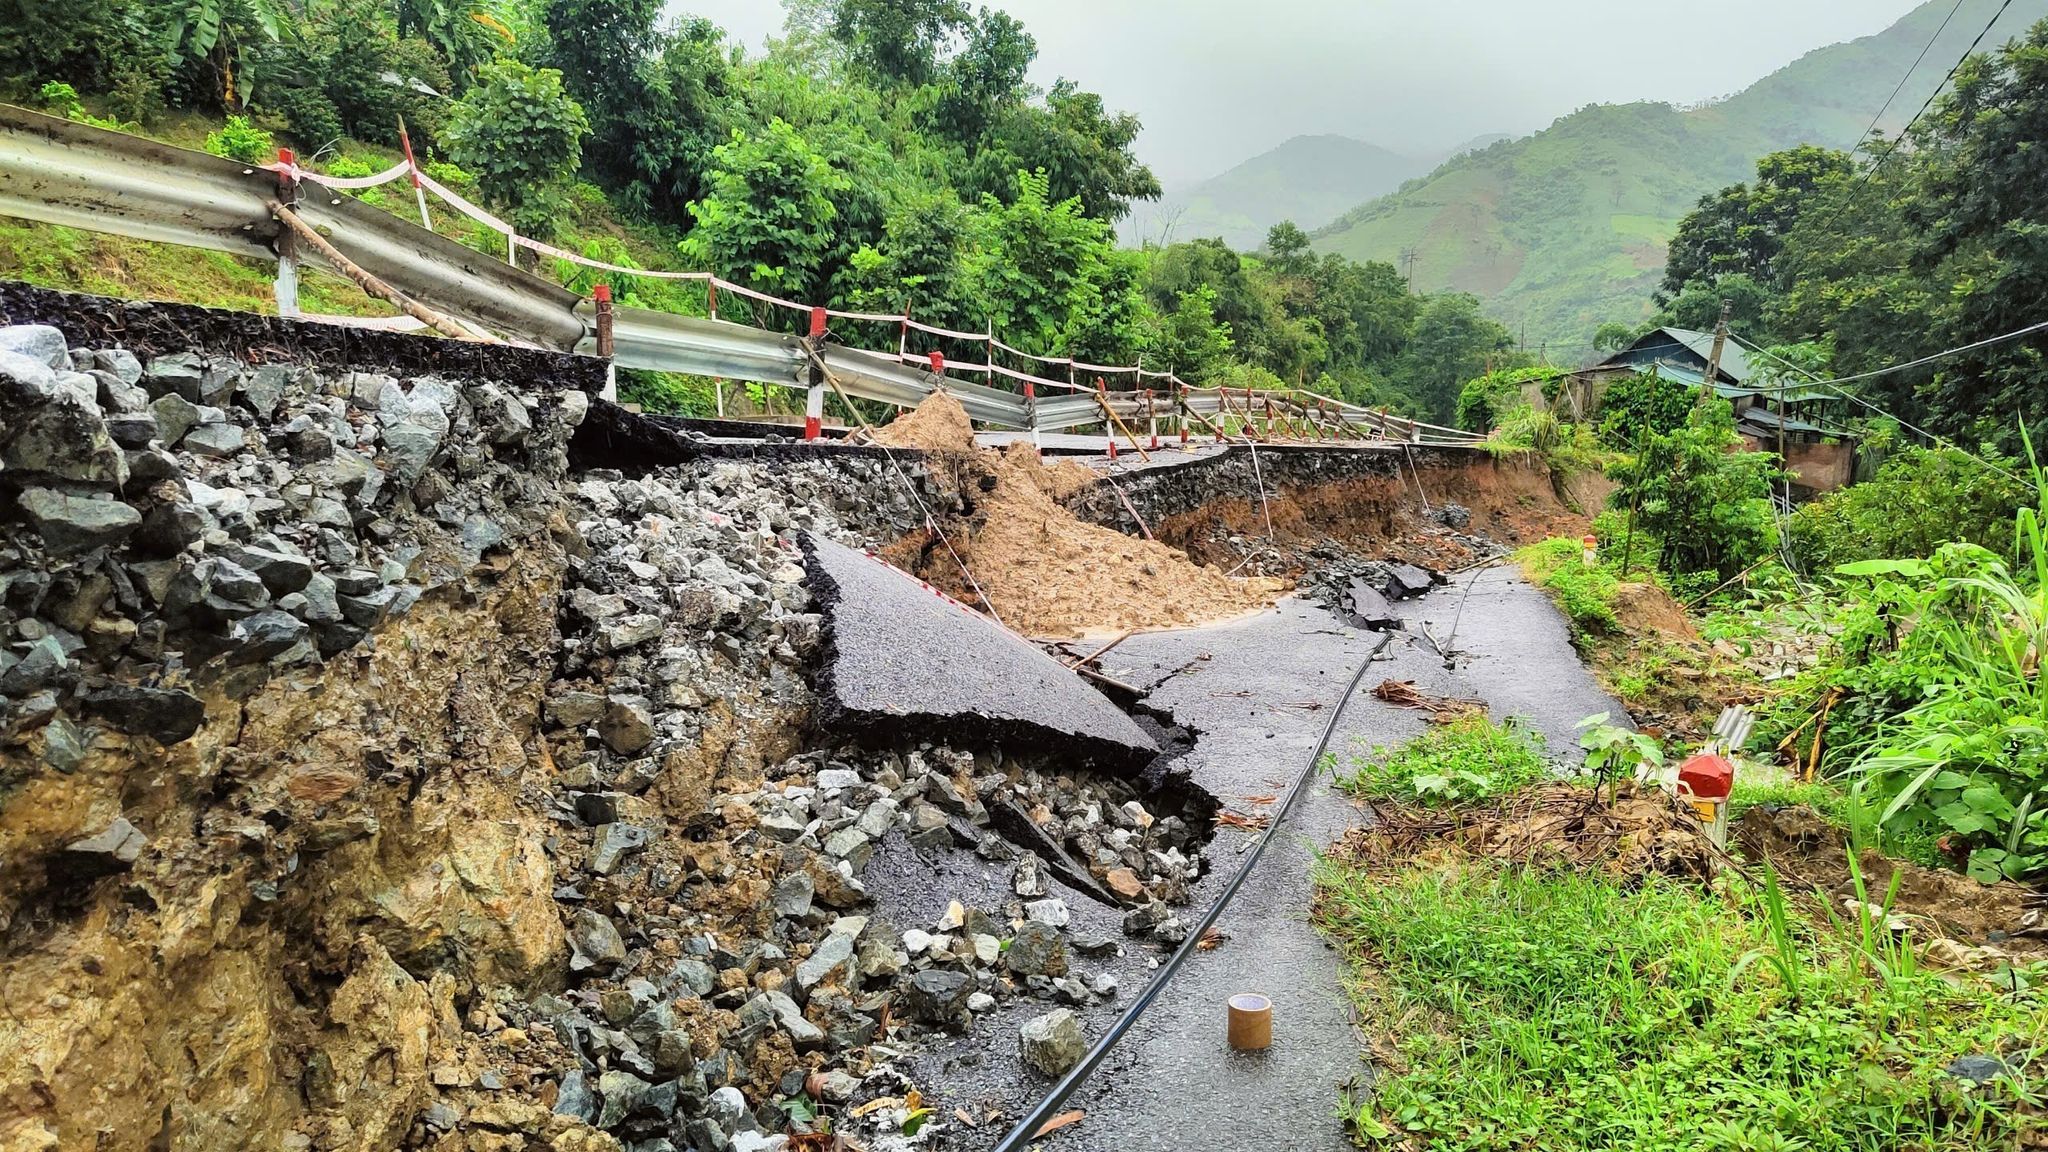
x: 973, y: 681
x: 1513, y: 649
x: 1257, y: 691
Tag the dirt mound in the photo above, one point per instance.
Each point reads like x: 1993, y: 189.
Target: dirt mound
x: 1970, y: 925
x: 1631, y: 832
x: 939, y: 424
x: 1043, y: 570
x: 1052, y: 574
x: 1647, y: 608
x: 1058, y: 478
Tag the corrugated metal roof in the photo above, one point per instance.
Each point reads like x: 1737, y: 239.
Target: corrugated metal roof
x: 1765, y: 418
x: 1734, y: 361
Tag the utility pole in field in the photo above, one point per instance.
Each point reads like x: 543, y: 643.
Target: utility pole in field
x: 1720, y: 344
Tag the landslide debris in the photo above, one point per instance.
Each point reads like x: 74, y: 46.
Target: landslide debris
x: 1627, y: 830
x: 1040, y: 568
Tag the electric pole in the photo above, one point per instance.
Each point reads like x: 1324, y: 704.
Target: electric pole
x: 1720, y: 343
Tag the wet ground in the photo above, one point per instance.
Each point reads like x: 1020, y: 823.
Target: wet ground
x: 1258, y: 690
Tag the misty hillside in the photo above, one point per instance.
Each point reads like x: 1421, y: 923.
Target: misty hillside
x: 1310, y: 180
x: 1567, y: 228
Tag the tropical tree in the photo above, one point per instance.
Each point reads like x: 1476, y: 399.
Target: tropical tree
x: 519, y: 133
x: 768, y: 215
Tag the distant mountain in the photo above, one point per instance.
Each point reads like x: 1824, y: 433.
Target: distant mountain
x: 1566, y: 229
x: 1309, y: 180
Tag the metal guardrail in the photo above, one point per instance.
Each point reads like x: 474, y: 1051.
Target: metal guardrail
x: 60, y: 172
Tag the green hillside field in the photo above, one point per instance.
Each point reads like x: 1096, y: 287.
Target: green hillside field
x: 1566, y: 229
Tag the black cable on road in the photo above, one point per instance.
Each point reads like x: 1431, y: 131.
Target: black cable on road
x: 1027, y: 1128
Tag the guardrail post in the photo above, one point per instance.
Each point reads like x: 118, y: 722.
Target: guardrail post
x: 602, y: 293
x: 1031, y: 414
x: 286, y: 287
x: 1151, y: 420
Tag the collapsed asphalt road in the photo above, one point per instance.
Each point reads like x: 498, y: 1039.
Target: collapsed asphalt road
x: 1257, y: 691
x: 1258, y: 700
x: 970, y: 681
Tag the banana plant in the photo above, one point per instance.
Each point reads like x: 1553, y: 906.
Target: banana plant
x: 222, y: 36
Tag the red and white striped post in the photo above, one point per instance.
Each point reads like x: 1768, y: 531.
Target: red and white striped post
x: 602, y: 295
x: 814, y: 401
x: 1151, y: 420
x: 412, y: 171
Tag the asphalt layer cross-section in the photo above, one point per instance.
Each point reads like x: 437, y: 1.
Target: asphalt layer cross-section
x: 904, y: 660
x: 1258, y: 689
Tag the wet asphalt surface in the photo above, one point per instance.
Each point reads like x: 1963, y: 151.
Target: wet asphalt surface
x: 1258, y: 690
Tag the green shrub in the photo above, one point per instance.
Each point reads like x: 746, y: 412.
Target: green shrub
x: 238, y: 139
x: 668, y: 393
x: 1646, y: 404
x: 1920, y: 499
x: 1705, y: 499
x: 313, y: 120
x: 1942, y: 656
x: 1485, y: 402
x: 60, y: 98
x: 519, y: 133
x: 1467, y: 761
x: 1586, y: 595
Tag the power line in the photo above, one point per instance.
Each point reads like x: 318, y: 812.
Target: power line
x: 1931, y: 96
x: 1917, y: 60
x: 2029, y: 330
x: 1835, y: 387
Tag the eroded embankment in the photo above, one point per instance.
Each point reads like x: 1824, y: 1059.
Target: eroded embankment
x: 370, y: 779
x: 276, y: 640
x: 1440, y: 507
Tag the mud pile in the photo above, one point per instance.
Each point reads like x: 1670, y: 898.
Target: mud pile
x: 1039, y: 568
x: 1959, y: 922
x: 1625, y: 830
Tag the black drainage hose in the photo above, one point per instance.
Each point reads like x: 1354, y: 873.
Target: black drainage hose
x: 1027, y: 1128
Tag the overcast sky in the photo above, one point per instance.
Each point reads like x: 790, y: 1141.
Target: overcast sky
x: 1217, y: 81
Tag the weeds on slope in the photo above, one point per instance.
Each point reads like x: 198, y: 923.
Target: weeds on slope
x: 1466, y: 760
x: 1600, y: 992
x: 1552, y: 1009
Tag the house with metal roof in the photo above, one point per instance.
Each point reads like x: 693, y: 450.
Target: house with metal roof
x: 1773, y: 415
x: 1679, y: 348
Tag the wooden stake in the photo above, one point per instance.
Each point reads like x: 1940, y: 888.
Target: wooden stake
x: 1720, y: 345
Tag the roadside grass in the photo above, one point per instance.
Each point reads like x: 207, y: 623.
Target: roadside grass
x: 1585, y: 594
x: 1468, y: 760
x: 1555, y: 1010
